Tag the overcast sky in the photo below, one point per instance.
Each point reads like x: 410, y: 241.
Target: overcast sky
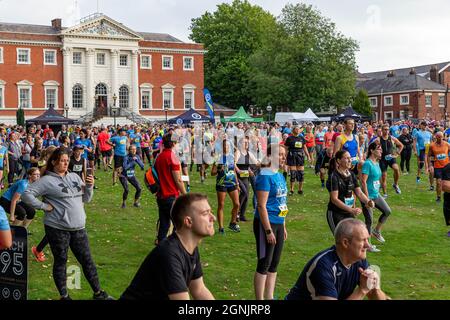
x: 391, y: 34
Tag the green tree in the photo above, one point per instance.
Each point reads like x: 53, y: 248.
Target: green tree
x: 361, y: 103
x: 231, y: 35
x: 304, y: 62
x: 20, y: 117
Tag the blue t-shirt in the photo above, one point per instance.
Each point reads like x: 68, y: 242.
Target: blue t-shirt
x: 19, y: 187
x: 51, y: 142
x: 120, y: 148
x: 156, y: 143
x: 137, y: 139
x: 373, y: 171
x: 275, y: 184
x: 423, y: 138
x: 4, y: 223
x: 87, y: 143
x: 287, y: 131
x: 326, y: 276
x: 395, y: 131
x: 3, y: 155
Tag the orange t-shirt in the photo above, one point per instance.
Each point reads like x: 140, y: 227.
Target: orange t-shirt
x: 310, y: 140
x: 440, y: 153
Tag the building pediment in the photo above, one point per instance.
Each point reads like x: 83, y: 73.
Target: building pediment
x: 101, y: 26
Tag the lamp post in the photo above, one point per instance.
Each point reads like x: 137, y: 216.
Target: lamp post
x: 66, y: 110
x: 445, y: 115
x: 166, y: 110
x: 114, y: 110
x: 269, y: 110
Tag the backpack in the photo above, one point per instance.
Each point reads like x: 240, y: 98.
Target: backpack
x: 151, y: 180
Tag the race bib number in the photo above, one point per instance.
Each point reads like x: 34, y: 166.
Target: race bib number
x: 388, y: 157
x: 244, y: 174
x: 321, y: 139
x: 354, y: 160
x: 349, y: 202
x: 78, y: 167
x: 123, y: 141
x: 299, y: 145
x: 283, y: 211
x: 130, y: 173
x: 441, y: 156
x: 376, y: 185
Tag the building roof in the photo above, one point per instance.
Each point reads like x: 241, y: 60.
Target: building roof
x: 423, y: 71
x: 49, y: 30
x: 398, y: 83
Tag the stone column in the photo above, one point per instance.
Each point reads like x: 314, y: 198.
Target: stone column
x: 114, y: 66
x: 90, y: 90
x: 135, y: 81
x: 67, y: 72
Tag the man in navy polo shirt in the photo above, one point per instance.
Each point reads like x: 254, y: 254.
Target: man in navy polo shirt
x: 342, y: 271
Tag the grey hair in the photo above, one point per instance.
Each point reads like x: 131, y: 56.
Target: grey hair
x: 345, y: 228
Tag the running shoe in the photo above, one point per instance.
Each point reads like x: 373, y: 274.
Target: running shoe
x: 243, y: 218
x: 448, y: 234
x: 188, y: 189
x: 39, y: 256
x: 323, y: 185
x: 397, y: 188
x: 137, y: 204
x: 234, y: 227
x: 431, y: 188
x: 102, y: 295
x: 378, y: 236
x: 385, y: 195
x: 123, y: 206
x: 417, y: 179
x: 300, y: 192
x: 438, y: 200
x: 222, y: 231
x: 291, y: 193
x: 67, y: 298
x: 373, y: 248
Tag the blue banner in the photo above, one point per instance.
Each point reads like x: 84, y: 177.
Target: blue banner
x: 209, y: 104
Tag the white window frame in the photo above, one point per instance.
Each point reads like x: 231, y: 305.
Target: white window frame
x: 426, y: 96
x: 149, y: 56
x: 171, y: 62
x: 81, y: 58
x: 2, y: 94
x: 51, y: 85
x: 29, y: 55
x: 441, y: 95
x: 55, y: 63
x: 388, y: 112
x: 150, y: 102
x: 403, y: 115
x: 82, y: 97
x: 376, y: 116
x: 171, y: 91
x: 192, y: 63
x: 388, y: 104
x: 1, y: 55
x: 96, y: 59
x: 24, y: 84
x: 146, y: 87
x: 406, y: 103
x: 185, y: 91
x: 128, y: 60
x: 376, y: 102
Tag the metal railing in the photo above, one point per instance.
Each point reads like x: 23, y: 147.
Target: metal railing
x: 134, y: 117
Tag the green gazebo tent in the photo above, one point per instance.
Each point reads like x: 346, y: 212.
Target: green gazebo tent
x: 242, y: 116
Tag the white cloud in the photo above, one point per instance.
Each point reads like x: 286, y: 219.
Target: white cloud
x: 391, y: 34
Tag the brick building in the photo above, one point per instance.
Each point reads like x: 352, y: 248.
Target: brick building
x: 419, y: 92
x: 88, y: 69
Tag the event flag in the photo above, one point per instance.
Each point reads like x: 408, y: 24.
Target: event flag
x: 209, y: 104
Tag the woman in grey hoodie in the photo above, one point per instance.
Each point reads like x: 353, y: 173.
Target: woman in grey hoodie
x: 63, y: 195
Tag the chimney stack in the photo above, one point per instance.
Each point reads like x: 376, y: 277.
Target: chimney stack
x: 412, y: 71
x: 57, y: 24
x: 434, y: 74
x: 391, y: 74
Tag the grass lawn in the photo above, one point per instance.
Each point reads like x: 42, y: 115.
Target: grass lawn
x: 414, y: 262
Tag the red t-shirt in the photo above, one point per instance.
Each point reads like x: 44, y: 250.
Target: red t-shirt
x: 336, y: 134
x: 102, y: 138
x: 167, y: 162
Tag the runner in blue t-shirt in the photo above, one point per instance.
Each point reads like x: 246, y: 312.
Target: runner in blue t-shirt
x: 422, y: 141
x: 120, y: 143
x: 269, y: 225
x: 87, y: 143
x: 370, y: 185
x: 342, y: 271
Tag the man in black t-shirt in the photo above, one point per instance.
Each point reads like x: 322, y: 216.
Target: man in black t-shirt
x: 173, y: 269
x: 296, y: 147
x: 446, y: 190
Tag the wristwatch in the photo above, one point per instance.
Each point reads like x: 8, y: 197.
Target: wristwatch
x: 268, y: 231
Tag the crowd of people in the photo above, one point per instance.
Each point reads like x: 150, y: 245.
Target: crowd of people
x: 259, y: 163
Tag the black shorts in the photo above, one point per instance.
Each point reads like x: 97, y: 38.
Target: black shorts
x: 438, y: 173
x: 91, y: 156
x: 384, y: 164
x: 118, y: 161
x: 184, y: 164
x: 295, y: 159
x: 107, y: 153
x: 422, y: 155
x: 225, y: 189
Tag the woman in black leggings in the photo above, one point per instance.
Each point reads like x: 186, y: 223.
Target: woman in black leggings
x: 407, y: 140
x: 128, y: 175
x: 65, y: 220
